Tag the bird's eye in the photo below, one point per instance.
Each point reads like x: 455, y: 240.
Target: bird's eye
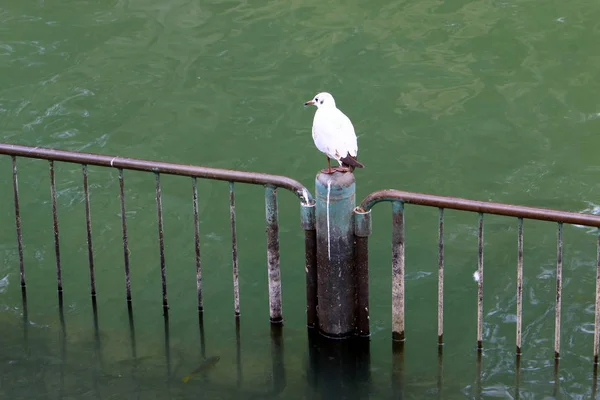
x: 316, y: 99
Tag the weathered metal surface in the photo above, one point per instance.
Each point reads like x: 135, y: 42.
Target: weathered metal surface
x: 197, y: 245
x: 441, y: 277
x: 161, y: 241
x: 398, y: 268
x: 275, y: 313
x: 18, y: 220
x: 480, y: 283
x: 519, y: 285
x: 55, y: 228
x: 160, y: 167
x: 125, y: 239
x: 88, y: 228
x: 335, y: 196
x: 485, y: 207
x: 558, y: 309
x: 597, y: 308
x: 362, y: 230
x: 310, y: 262
x: 234, y: 251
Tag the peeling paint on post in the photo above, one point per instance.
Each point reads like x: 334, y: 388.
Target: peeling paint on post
x: 335, y: 196
x: 273, y: 255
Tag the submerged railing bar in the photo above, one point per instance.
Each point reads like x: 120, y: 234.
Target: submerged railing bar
x: 160, y: 167
x: 519, y: 285
x: 441, y: 277
x: 234, y: 254
x: 18, y: 221
x: 480, y: 283
x: 161, y: 242
x: 597, y: 309
x: 124, y: 227
x: 88, y: 226
x: 273, y: 254
x: 197, y: 245
x: 559, y: 265
x: 456, y: 203
x: 398, y: 271
x: 55, y: 226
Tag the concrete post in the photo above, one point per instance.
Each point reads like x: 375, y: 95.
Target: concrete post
x: 335, y: 201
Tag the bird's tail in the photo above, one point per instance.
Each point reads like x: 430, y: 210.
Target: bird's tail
x: 351, y: 162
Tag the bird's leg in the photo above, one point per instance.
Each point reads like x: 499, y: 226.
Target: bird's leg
x: 341, y: 168
x: 328, y: 170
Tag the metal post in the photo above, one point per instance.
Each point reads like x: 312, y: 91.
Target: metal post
x: 362, y: 231
x: 335, y: 197
x: 310, y: 266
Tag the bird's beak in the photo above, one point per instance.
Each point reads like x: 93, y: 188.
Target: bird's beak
x: 309, y: 103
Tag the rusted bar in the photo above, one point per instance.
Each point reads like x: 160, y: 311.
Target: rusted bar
x: 518, y: 377
x: 456, y: 203
x: 519, y: 285
x: 234, y: 251
x: 441, y: 277
x: 18, y: 220
x: 55, y: 225
x: 362, y: 231
x: 398, y: 271
x: 124, y: 226
x: 197, y: 245
x: 161, y: 241
x: 480, y: 284
x: 556, y: 388
x: 559, y: 265
x: 88, y: 226
x: 273, y: 254
x: 440, y: 372
x: 597, y: 312
x: 310, y: 262
x: 159, y: 167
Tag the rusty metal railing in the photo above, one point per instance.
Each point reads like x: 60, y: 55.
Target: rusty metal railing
x: 271, y: 183
x: 399, y: 199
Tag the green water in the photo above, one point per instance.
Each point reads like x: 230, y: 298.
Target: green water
x: 491, y: 100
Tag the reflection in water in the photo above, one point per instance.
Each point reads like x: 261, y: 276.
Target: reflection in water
x: 338, y: 368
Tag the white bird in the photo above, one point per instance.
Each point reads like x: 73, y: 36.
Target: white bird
x: 334, y: 134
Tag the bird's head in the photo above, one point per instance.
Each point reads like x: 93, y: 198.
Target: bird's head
x: 321, y: 100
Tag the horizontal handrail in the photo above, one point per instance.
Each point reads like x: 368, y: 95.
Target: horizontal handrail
x: 255, y: 178
x: 486, y: 207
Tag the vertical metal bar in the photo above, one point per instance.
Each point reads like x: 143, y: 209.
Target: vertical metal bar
x: 88, y: 226
x: 273, y: 254
x: 519, y: 285
x: 55, y: 224
x: 362, y: 286
x: 197, y: 246
x: 440, y: 372
x: 161, y: 241
x: 362, y: 231
x: 310, y: 262
x: 234, y: 255
x: 559, y: 265
x: 480, y: 286
x: 441, y: 277
x: 124, y: 225
x: 398, y: 271
x: 597, y: 313
x: 18, y: 220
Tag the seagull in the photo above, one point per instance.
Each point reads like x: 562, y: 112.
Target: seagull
x: 333, y: 134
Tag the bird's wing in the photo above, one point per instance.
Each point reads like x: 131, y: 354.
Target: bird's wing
x: 333, y: 134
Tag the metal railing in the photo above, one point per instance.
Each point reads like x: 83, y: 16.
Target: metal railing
x: 271, y: 183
